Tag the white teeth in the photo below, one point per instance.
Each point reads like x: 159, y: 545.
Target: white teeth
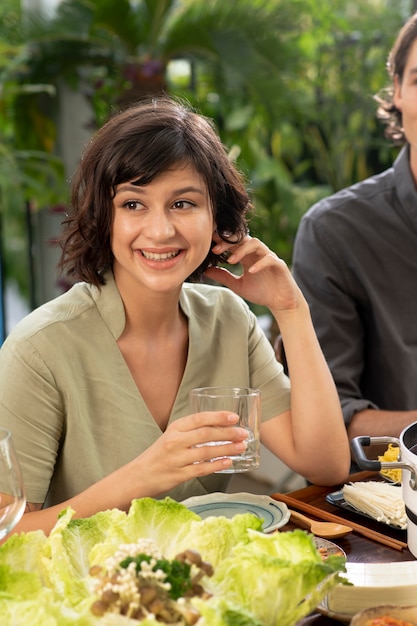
x: 153, y: 256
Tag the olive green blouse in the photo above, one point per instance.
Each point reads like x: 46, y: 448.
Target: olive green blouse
x: 73, y: 408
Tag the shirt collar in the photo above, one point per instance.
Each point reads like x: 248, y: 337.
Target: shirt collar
x: 110, y: 305
x: 404, y: 182
x: 111, y: 308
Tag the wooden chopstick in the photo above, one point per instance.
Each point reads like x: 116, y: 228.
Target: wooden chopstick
x: 329, y: 517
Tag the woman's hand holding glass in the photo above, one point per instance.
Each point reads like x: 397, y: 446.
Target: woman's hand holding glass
x: 180, y: 454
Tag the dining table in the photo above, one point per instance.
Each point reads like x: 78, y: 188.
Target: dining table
x: 371, y: 547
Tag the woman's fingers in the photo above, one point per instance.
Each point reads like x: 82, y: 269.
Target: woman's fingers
x: 233, y: 248
x: 212, y: 434
x: 209, y: 426
x: 201, y: 437
x: 246, y: 246
x: 251, y: 253
x: 210, y: 466
x: 207, y: 452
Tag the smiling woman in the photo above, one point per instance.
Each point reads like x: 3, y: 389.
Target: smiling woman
x: 95, y: 384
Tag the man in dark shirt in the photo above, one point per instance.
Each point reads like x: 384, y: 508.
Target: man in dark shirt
x: 355, y: 258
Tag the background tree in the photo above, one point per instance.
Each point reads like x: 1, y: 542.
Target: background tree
x: 117, y: 52
x: 27, y: 176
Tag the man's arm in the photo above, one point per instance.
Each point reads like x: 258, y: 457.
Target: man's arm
x: 377, y: 423
x: 319, y: 267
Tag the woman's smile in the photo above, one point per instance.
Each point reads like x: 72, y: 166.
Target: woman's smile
x: 160, y: 261
x: 159, y: 256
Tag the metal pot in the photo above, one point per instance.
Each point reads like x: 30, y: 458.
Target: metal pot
x: 407, y: 462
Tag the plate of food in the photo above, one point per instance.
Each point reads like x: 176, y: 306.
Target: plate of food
x: 380, y: 501
x: 161, y: 563
x: 274, y: 514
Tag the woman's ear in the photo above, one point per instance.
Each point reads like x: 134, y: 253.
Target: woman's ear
x: 397, y: 98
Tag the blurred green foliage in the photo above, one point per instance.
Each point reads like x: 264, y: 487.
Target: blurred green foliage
x: 289, y: 84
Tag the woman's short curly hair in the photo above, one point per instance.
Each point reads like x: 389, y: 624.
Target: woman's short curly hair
x: 138, y: 144
x: 387, y: 112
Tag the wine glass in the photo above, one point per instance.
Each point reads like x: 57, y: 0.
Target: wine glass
x: 12, y: 493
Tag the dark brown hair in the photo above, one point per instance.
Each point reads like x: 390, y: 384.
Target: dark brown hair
x: 397, y: 59
x: 139, y: 144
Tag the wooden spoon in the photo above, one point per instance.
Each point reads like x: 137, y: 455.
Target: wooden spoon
x: 329, y: 530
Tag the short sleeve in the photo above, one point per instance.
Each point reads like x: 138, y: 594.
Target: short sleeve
x: 31, y: 408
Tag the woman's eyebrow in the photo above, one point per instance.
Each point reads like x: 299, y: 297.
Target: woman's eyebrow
x: 412, y: 71
x: 126, y: 187
x: 133, y: 187
x: 189, y: 189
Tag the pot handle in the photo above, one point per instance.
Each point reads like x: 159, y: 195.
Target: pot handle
x: 362, y: 460
x: 364, y: 463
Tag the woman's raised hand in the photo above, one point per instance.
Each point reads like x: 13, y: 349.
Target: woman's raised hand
x: 265, y: 278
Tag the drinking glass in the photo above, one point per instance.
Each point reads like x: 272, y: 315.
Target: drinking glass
x: 246, y: 403
x: 12, y: 493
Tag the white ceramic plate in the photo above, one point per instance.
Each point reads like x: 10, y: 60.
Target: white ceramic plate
x: 275, y: 514
x: 373, y: 584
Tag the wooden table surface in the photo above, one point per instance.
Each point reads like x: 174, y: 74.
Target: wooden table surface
x: 357, y: 548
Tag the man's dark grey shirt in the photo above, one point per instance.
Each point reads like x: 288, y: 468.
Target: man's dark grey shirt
x: 355, y: 259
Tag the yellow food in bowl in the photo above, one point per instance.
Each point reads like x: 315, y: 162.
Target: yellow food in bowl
x: 390, y: 455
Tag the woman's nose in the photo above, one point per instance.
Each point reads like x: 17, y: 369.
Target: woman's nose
x: 159, y: 225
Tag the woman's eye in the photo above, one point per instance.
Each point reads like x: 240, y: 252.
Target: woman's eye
x: 132, y: 205
x: 182, y: 204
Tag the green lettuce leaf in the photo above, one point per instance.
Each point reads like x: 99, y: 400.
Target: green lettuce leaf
x: 170, y: 524
x: 16, y: 584
x: 66, y: 571
x: 43, y: 610
x: 222, y: 612
x: 22, y: 613
x: 165, y: 521
x: 80, y: 536
x: 25, y: 552
x: 215, y: 537
x: 288, y: 564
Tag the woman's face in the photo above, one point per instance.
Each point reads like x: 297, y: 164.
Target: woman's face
x: 162, y: 231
